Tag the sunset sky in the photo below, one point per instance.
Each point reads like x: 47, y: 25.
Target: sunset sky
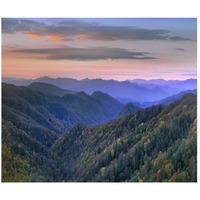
x: 107, y: 48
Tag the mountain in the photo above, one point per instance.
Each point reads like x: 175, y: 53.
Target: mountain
x: 169, y: 99
x: 27, y: 110
x: 121, y: 89
x: 24, y: 159
x: 44, y: 117
x: 175, y: 97
x: 49, y: 89
x: 156, y: 144
x: 17, y: 81
x: 90, y: 109
x: 149, y: 82
x: 125, y: 90
x: 110, y: 104
x: 114, y: 88
x: 189, y: 84
x: 128, y: 108
x: 65, y: 83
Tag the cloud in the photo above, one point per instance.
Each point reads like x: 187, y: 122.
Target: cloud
x: 180, y: 49
x: 162, y: 72
x: 12, y: 25
x: 85, y: 54
x: 190, y: 74
x: 177, y: 38
x: 76, y: 30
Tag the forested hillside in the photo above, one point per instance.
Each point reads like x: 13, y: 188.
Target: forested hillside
x: 128, y: 108
x: 24, y: 159
x: 44, y: 117
x: 49, y: 89
x: 156, y: 144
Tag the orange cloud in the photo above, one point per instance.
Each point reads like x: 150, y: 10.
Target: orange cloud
x: 48, y: 37
x: 43, y: 40
x: 82, y: 37
x: 61, y: 37
x: 81, y: 40
x: 57, y: 38
x: 32, y: 35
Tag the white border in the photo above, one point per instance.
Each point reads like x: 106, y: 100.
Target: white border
x: 100, y: 8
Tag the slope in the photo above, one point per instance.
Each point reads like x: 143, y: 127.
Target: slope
x: 124, y: 89
x: 155, y: 144
x: 128, y: 108
x: 43, y: 117
x: 24, y: 159
x: 49, y: 89
x: 169, y: 99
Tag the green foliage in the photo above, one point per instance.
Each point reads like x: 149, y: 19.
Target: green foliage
x: 182, y: 177
x: 145, y: 150
x: 158, y: 143
x: 13, y: 168
x: 44, y: 117
x: 169, y: 169
x: 24, y: 159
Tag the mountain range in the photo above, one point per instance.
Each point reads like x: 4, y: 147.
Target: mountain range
x: 125, y: 91
x: 52, y: 134
x: 44, y: 115
x: 183, y: 85
x: 156, y: 144
x: 128, y: 108
x: 166, y: 100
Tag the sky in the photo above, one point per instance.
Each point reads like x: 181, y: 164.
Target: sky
x: 107, y: 48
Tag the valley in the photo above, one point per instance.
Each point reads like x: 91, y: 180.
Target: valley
x: 52, y: 134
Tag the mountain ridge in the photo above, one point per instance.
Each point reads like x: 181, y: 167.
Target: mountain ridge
x: 28, y: 109
x: 128, y: 108
x: 156, y: 144
x: 49, y: 89
x: 118, y: 89
x: 136, y: 147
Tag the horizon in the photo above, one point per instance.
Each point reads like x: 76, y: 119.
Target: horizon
x: 98, y: 78
x: 106, y: 48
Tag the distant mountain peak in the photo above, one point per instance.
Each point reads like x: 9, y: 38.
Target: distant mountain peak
x: 128, y: 108
x: 97, y: 93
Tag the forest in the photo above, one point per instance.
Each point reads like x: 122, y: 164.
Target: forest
x: 153, y: 144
